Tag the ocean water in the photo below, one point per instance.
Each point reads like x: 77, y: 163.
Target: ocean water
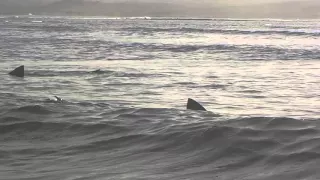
x: 125, y: 84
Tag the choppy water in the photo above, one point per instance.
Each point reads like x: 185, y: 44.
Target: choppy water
x: 259, y: 79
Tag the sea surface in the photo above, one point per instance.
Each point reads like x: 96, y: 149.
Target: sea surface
x: 124, y: 85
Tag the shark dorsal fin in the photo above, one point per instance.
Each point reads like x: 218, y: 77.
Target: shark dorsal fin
x: 194, y: 105
x: 19, y: 71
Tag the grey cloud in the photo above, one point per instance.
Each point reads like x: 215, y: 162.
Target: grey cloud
x: 204, y: 8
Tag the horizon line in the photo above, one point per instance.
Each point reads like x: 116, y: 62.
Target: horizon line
x: 150, y: 17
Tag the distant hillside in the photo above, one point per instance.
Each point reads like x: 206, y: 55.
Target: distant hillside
x: 78, y: 7
x: 122, y: 8
x: 293, y: 9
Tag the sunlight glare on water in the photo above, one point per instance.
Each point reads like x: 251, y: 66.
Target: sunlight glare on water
x: 106, y: 99
x: 234, y: 67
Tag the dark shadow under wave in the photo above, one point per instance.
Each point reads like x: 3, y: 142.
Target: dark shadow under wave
x: 245, y: 52
x: 50, y: 28
x: 56, y: 130
x: 177, y: 141
x: 109, y: 50
x: 224, y: 31
x: 34, y: 109
x: 91, y: 74
x: 50, y: 73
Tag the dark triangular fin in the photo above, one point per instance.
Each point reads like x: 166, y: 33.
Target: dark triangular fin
x: 19, y: 71
x: 194, y: 105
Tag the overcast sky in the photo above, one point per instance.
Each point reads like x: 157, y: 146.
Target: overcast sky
x: 214, y: 8
x: 224, y: 2
x: 239, y: 2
